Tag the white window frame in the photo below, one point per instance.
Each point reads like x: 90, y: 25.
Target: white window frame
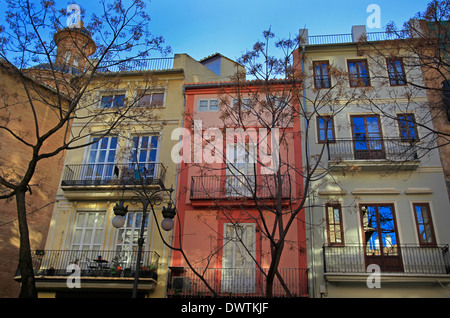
x: 247, y: 103
x: 113, y: 93
x: 141, y: 94
x: 97, y: 226
x: 208, y: 101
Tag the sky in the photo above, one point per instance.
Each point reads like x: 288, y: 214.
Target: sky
x: 201, y: 28
x: 230, y: 27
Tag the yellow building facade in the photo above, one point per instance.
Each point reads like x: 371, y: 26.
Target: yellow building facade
x: 132, y: 163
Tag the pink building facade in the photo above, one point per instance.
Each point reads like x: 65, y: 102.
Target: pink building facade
x: 236, y: 173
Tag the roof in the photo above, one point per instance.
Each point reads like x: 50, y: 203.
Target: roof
x: 235, y: 83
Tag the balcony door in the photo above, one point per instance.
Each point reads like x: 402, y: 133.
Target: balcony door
x: 367, y: 136
x: 238, y: 261
x: 143, y: 157
x: 240, y: 180
x: 101, y: 160
x: 380, y: 236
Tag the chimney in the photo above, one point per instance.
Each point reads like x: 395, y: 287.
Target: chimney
x: 358, y: 31
x: 303, y: 37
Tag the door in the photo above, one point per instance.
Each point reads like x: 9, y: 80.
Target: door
x: 367, y: 137
x: 381, y: 244
x: 240, y: 179
x: 101, y: 161
x: 238, y: 262
x: 143, y: 157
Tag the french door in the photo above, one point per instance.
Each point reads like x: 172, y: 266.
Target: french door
x: 367, y: 137
x: 240, y: 180
x: 101, y: 160
x: 238, y: 262
x: 143, y: 156
x: 381, y: 243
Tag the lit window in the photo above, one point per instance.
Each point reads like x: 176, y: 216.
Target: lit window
x: 334, y: 224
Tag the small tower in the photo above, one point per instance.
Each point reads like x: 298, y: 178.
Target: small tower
x: 74, y: 46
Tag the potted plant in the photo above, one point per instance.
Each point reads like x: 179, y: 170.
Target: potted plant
x: 148, y: 272
x: 116, y: 269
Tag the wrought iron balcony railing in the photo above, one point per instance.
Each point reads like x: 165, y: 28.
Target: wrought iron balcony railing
x: 152, y: 64
x: 238, y: 282
x: 101, y: 263
x: 114, y: 174
x: 407, y: 259
x: 372, y: 149
x: 238, y: 186
x: 348, y: 38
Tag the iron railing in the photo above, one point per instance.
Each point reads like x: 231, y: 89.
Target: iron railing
x: 238, y: 282
x: 114, y: 174
x: 348, y: 38
x: 163, y: 63
x: 93, y: 263
x: 238, y: 186
x: 407, y: 259
x: 372, y: 148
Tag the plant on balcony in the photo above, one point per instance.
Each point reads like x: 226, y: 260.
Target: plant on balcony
x: 148, y: 271
x: 116, y: 269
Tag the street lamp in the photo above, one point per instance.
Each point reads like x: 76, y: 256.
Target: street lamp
x: 146, y: 199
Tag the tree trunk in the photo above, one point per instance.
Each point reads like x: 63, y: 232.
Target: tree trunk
x: 28, y: 287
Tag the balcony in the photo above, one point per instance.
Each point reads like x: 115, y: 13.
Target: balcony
x: 152, y: 64
x: 230, y: 187
x: 237, y: 282
x: 88, y: 175
x: 373, y: 153
x: 52, y: 268
x: 396, y: 262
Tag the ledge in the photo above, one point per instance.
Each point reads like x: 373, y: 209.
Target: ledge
x: 391, y: 191
x: 388, y: 278
x: 117, y: 283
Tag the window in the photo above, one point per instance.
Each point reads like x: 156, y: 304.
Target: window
x: 143, y: 157
x: 127, y: 238
x: 424, y: 223
x: 101, y: 159
x: 325, y: 129
x: 154, y: 100
x: 407, y: 126
x: 277, y: 102
x: 359, y: 73
x: 109, y: 101
x: 88, y: 231
x: 367, y: 137
x: 145, y: 149
x: 334, y: 224
x: 321, y: 77
x: 382, y: 246
x: 396, y: 72
x: 240, y: 159
x: 205, y: 105
x: 246, y: 104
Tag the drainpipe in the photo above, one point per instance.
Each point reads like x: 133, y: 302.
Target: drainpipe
x: 311, y: 232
